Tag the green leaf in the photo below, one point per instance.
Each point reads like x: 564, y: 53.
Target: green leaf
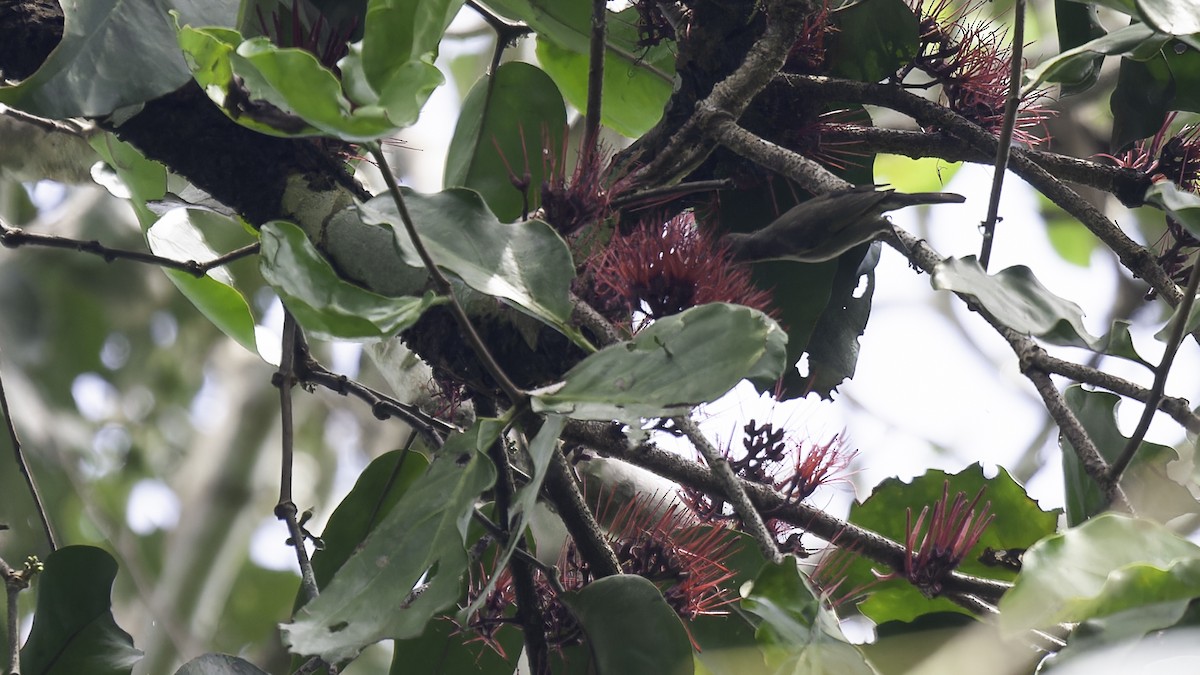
x: 635, y: 88
x: 1144, y: 94
x: 1183, y: 205
x: 73, y: 627
x: 833, y: 347
x: 1076, y: 65
x: 630, y: 628
x: 446, y: 648
x: 1132, y: 624
x: 506, y: 122
x: 219, y: 664
x: 1078, y: 24
x: 1018, y: 300
x: 541, y: 451
x: 114, y: 53
x: 279, y: 91
x: 1146, y: 481
x: 176, y: 235
x: 525, y: 263
x: 679, y: 361
x: 1177, y: 17
x: 420, y: 541
x: 327, y: 306
x: 1108, y: 564
x: 798, y: 634
x: 378, y: 489
x: 875, y: 39
x: 1019, y: 522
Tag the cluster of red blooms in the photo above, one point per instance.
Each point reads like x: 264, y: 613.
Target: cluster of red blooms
x: 954, y: 529
x: 770, y: 458
x: 968, y: 59
x: 660, y: 269
x: 1176, y: 158
x: 652, y: 538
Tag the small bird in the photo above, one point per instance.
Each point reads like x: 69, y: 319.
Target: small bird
x: 828, y: 225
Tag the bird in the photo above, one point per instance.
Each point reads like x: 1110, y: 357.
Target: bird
x: 828, y: 225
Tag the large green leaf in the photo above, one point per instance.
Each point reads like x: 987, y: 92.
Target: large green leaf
x: 1177, y: 17
x: 798, y: 634
x: 420, y: 541
x: 679, y: 361
x: 73, y: 627
x: 1108, y: 564
x: 875, y: 39
x: 1075, y: 65
x: 279, y: 91
x: 833, y: 346
x: 1019, y: 523
x: 1117, y: 629
x: 541, y: 451
x: 1078, y: 24
x: 219, y: 664
x: 1166, y: 80
x: 114, y: 53
x: 1018, y: 300
x: 507, y: 121
x: 378, y: 488
x: 630, y: 628
x: 1153, y: 493
x: 177, y: 236
x: 324, y: 304
x: 395, y: 57
x: 637, y: 81
x: 525, y: 263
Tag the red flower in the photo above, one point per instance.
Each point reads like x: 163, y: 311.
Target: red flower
x: 968, y: 59
x: 662, y: 269
x: 954, y: 529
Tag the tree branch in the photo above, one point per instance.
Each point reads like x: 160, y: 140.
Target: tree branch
x: 1178, y: 326
x: 1133, y: 256
x: 14, y: 237
x: 731, y: 490
x: 24, y: 469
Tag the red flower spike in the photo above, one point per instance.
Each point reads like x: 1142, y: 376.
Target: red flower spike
x: 664, y: 269
x: 954, y: 529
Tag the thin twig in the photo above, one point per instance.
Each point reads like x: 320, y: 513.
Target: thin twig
x: 383, y: 407
x: 14, y: 237
x: 529, y: 605
x: 14, y: 583
x: 24, y: 469
x: 514, y: 395
x: 1177, y: 408
x: 286, y: 509
x: 549, y: 571
x: 595, y: 88
x: 1004, y: 142
x: 1160, y: 376
x: 732, y: 491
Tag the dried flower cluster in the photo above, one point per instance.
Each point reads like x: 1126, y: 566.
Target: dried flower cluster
x: 769, y: 457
